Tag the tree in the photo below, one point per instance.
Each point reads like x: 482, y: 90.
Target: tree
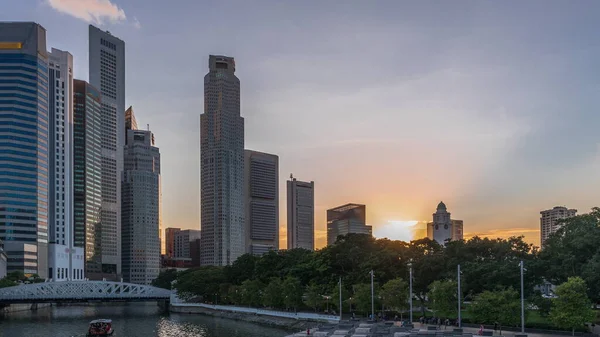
x: 165, y: 279
x: 293, y: 292
x: 252, y: 292
x: 394, y: 294
x: 542, y: 304
x: 234, y: 294
x: 204, y: 282
x: 572, y: 308
x: 313, y: 297
x: 273, y: 294
x: 362, y: 298
x: 335, y: 296
x: 501, y: 306
x: 5, y: 282
x: 443, y: 298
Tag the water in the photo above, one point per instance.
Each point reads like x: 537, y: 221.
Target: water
x: 129, y: 320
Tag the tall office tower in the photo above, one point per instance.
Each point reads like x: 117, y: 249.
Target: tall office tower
x: 130, y: 121
x: 24, y: 146
x: 300, y: 214
x: 87, y: 182
x: 442, y: 228
x: 107, y: 73
x: 221, y: 165
x: 261, y: 174
x: 346, y: 219
x: 65, y: 262
x: 548, y: 220
x: 170, y: 241
x: 141, y: 208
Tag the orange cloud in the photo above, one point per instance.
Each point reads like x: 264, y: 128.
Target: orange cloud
x: 532, y: 235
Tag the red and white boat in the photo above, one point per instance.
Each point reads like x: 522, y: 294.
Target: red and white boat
x: 100, y: 327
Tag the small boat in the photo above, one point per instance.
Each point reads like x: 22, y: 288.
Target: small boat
x: 100, y: 327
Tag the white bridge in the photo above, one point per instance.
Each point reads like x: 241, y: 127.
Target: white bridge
x: 82, y: 291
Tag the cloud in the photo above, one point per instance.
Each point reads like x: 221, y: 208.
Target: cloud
x: 531, y: 234
x: 92, y: 11
x: 136, y: 23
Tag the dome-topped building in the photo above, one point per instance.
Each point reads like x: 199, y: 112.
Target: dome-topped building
x: 443, y: 228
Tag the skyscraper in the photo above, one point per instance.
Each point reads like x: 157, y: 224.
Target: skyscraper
x: 170, y: 241
x: 346, y: 219
x: 87, y: 180
x: 221, y: 165
x: 548, y: 220
x: 262, y: 202
x: 141, y: 208
x: 107, y: 73
x: 24, y: 146
x: 64, y: 260
x: 443, y: 228
x: 300, y: 214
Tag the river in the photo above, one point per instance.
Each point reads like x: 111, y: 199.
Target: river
x: 129, y: 320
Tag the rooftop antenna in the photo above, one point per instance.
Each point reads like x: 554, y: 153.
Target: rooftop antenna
x: 148, y: 127
x: 291, y: 176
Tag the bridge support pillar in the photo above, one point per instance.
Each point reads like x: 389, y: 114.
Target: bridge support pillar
x: 34, y: 306
x: 163, y: 304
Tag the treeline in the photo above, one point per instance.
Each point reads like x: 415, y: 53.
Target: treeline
x: 300, y: 279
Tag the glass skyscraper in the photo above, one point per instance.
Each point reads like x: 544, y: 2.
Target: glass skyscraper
x: 87, y: 171
x: 221, y: 165
x: 24, y: 146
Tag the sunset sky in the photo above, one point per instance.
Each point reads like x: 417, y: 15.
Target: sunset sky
x: 491, y: 106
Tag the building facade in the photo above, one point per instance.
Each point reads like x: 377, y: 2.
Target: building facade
x: 141, y: 216
x: 24, y: 147
x: 222, y: 165
x: 65, y: 261
x: 170, y: 241
x: 87, y: 170
x: 443, y: 228
x: 300, y: 214
x: 183, y: 241
x: 548, y: 221
x: 347, y: 219
x: 107, y: 73
x: 262, y: 202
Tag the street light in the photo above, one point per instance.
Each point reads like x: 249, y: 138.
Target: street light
x: 372, y: 297
x: 340, y: 298
x: 327, y: 298
x: 522, y: 298
x: 410, y: 281
x: 459, y: 306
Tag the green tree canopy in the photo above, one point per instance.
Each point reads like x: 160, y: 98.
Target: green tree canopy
x: 443, y: 298
x: 571, y: 308
x: 165, y: 278
x: 273, y: 294
x: 293, y: 292
x: 313, y: 297
x: 394, y: 294
x: 501, y: 306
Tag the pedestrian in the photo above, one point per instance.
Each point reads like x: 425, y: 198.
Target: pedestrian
x: 481, y: 330
x: 447, y: 323
x: 495, y: 326
x: 395, y: 318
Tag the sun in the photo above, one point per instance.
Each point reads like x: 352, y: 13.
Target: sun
x: 396, y: 230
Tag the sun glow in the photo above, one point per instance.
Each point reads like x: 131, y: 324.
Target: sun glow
x: 396, y: 230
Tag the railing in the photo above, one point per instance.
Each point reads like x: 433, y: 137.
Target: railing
x: 264, y: 312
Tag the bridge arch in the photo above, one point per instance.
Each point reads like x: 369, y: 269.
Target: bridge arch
x: 81, y: 291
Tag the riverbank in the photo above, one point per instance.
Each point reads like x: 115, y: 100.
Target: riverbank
x: 291, y: 324
x: 23, y: 307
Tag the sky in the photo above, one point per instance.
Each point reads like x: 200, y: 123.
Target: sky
x: 490, y: 106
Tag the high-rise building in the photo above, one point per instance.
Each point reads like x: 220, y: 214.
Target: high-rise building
x: 24, y: 146
x: 549, y: 218
x: 262, y: 202
x: 87, y: 182
x: 130, y: 121
x: 141, y: 208
x: 65, y: 261
x: 346, y: 219
x: 442, y: 228
x: 107, y: 73
x: 300, y: 214
x: 221, y: 165
x: 183, y: 241
x: 170, y: 241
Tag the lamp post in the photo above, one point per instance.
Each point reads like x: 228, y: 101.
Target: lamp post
x: 458, y: 293
x: 340, y: 298
x: 410, y: 296
x: 372, y: 298
x: 522, y: 300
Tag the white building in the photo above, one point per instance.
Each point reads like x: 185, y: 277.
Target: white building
x: 221, y: 165
x: 141, y: 208
x: 300, y: 214
x: 65, y: 261
x: 107, y: 74
x: 442, y: 228
x: 548, y: 220
x: 262, y: 202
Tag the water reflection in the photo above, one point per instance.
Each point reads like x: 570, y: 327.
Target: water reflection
x: 129, y: 320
